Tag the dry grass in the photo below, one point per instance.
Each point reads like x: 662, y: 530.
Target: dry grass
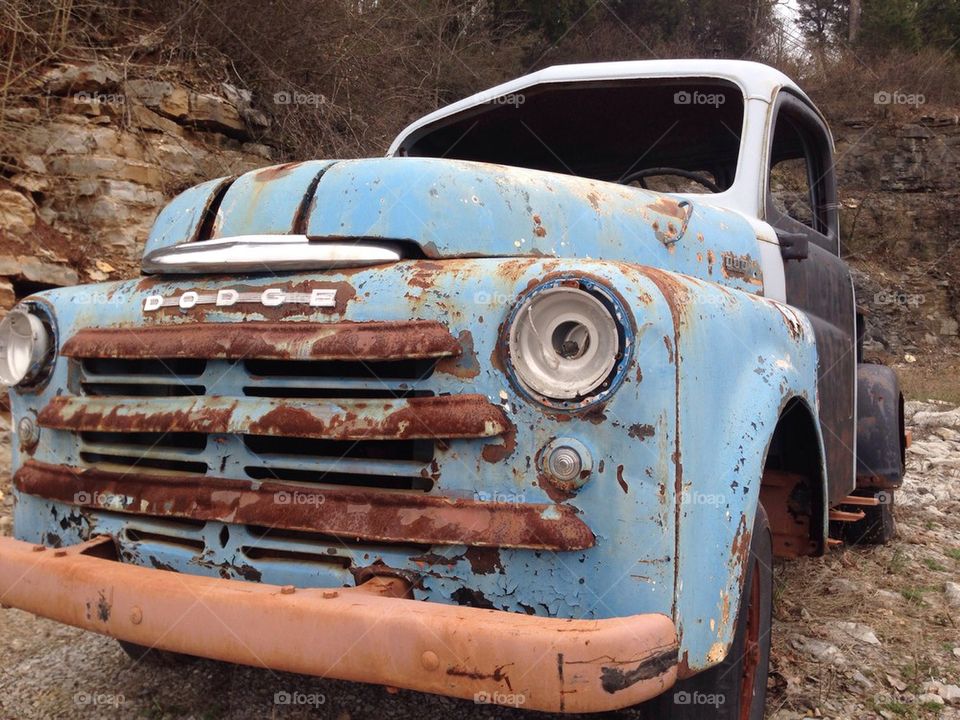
x: 933, y: 381
x: 915, y: 626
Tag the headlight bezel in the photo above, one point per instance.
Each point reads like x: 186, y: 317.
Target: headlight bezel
x: 617, y: 309
x: 42, y: 360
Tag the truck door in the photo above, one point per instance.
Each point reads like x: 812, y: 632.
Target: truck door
x: 801, y: 205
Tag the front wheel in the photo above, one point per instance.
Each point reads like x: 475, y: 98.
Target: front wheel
x: 736, y: 689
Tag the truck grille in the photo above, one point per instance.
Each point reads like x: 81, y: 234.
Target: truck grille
x: 165, y: 371
x: 326, y: 429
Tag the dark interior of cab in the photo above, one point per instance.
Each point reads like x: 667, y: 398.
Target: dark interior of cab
x: 633, y: 131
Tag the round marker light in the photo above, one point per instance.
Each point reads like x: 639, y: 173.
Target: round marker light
x: 24, y: 347
x: 28, y: 431
x: 564, y: 342
x: 564, y: 464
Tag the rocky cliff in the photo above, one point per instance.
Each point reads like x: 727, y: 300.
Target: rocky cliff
x: 899, y: 191
x: 98, y: 147
x: 96, y: 151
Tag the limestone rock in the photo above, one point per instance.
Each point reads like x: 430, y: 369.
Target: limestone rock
x: 819, y: 650
x: 7, y: 296
x: 79, y: 78
x: 17, y: 213
x: 952, y: 591
x: 859, y: 632
x: 36, y: 270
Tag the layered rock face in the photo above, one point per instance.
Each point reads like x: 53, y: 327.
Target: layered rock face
x: 100, y: 147
x: 96, y: 155
x: 899, y: 192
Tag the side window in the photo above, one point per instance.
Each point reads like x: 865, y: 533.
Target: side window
x: 790, y: 190
x: 801, y: 186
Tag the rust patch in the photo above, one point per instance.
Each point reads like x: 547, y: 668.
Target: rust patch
x: 538, y: 229
x: 621, y: 481
x: 367, y: 515
x: 669, y: 346
x: 424, y: 273
x: 66, y: 413
x: 711, y: 259
x: 275, y: 171
x: 667, y: 206
x: 484, y: 560
x: 639, y: 432
x: 740, y: 550
x: 494, y: 453
x: 433, y: 558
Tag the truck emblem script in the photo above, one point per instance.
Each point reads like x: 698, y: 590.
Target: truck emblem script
x: 271, y: 297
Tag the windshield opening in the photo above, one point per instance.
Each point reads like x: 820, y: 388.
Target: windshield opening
x: 676, y: 135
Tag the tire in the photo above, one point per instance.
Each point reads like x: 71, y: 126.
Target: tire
x: 736, y: 689
x: 877, y: 527
x: 154, y: 657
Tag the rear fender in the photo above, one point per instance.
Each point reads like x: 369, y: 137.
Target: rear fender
x: 881, y: 446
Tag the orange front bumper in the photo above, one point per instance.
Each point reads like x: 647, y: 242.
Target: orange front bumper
x: 364, y: 634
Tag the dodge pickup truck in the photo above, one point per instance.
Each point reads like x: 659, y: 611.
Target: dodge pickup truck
x: 520, y: 413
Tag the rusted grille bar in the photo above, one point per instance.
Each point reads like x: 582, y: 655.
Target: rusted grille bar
x: 351, y: 514
x: 445, y: 417
x: 368, y: 341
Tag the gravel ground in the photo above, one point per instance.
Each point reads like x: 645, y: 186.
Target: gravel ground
x: 899, y: 659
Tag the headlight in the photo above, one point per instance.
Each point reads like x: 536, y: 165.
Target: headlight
x: 25, y: 345
x: 567, y: 341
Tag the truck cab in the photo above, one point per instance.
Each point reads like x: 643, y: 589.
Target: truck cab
x: 537, y: 397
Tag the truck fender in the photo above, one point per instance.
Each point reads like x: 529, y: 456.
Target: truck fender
x: 741, y: 361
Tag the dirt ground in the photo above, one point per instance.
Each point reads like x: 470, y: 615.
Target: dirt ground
x: 865, y: 632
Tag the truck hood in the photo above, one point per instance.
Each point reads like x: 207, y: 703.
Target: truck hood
x: 452, y: 208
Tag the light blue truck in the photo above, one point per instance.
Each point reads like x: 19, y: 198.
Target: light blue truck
x: 521, y: 412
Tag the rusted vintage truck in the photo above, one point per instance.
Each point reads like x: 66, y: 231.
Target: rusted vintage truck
x: 521, y: 412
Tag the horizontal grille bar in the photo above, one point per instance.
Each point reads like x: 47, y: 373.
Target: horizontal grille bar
x: 367, y: 341
x: 444, y: 417
x: 338, y: 512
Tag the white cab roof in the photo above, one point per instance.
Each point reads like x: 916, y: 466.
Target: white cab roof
x: 757, y: 80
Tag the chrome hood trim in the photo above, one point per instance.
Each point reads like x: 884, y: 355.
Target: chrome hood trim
x: 266, y: 253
